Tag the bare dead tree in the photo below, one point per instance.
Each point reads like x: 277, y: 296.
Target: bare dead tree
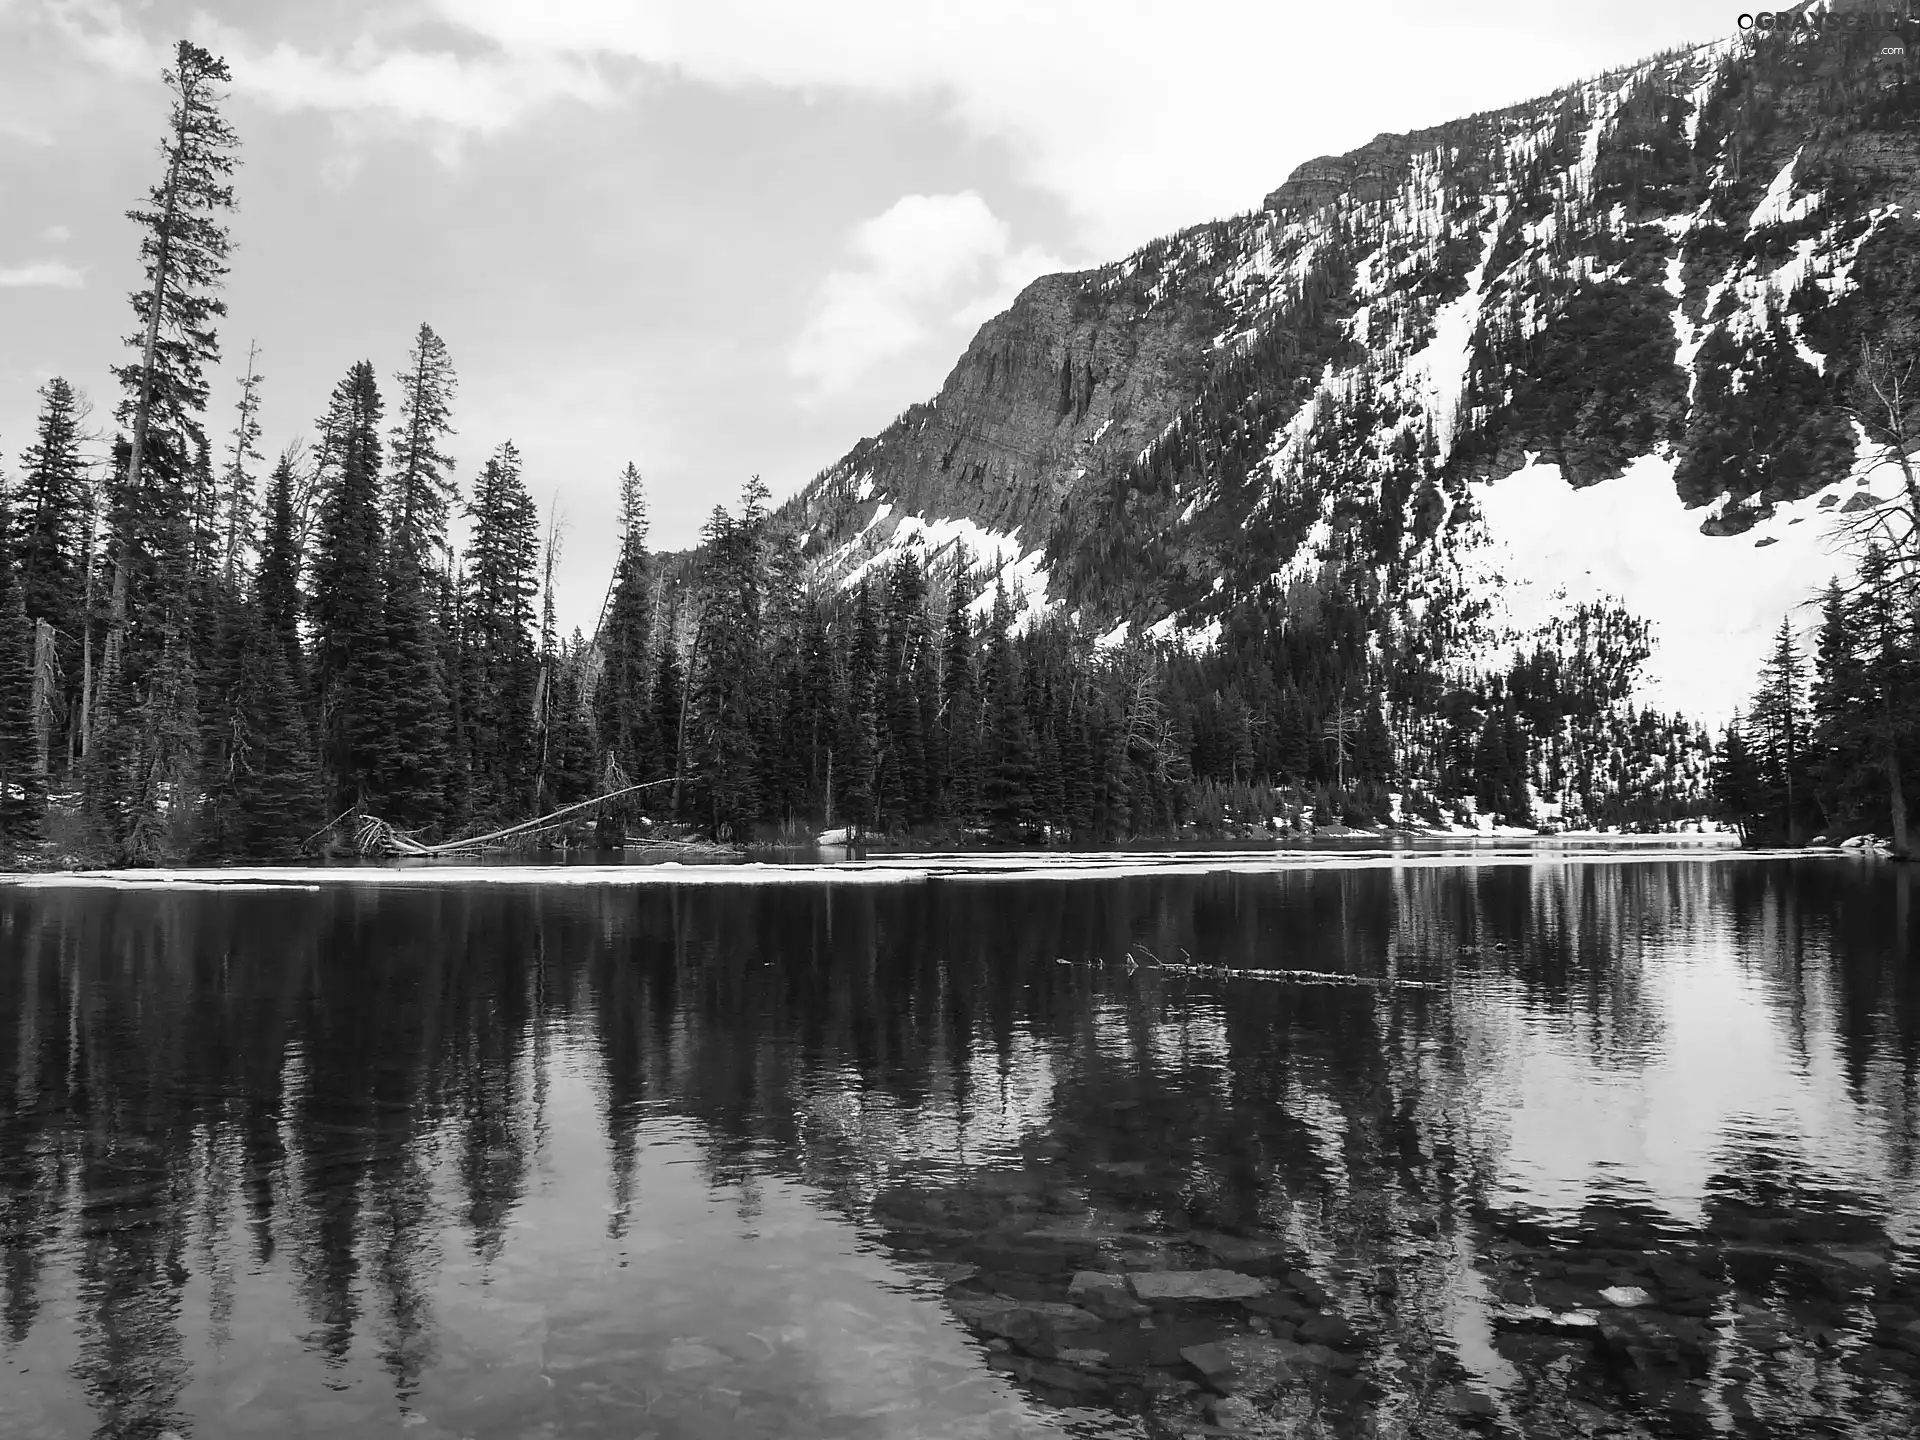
x: 1883, y: 535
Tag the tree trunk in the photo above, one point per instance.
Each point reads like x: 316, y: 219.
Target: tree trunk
x: 41, y: 702
x: 85, y: 726
x: 680, y: 739
x: 1896, y: 791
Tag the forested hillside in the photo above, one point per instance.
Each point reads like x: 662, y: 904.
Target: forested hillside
x: 1197, y: 539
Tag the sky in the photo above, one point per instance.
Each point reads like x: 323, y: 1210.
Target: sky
x: 715, y: 238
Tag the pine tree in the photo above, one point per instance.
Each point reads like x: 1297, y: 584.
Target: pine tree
x: 184, y: 248
x: 277, y: 589
x: 420, y: 490
x: 264, y: 801
x: 1008, y: 787
x: 906, y: 664
x: 50, y: 510
x: 859, y: 748
x: 1888, y: 622
x: 623, y: 713
x: 1736, y: 781
x: 407, y: 761
x: 1780, y: 721
x: 960, y: 735
x: 51, y: 546
x: 23, y: 791
x: 236, y: 502
x: 726, y: 677
x: 570, y: 750
x: 502, y: 668
x: 669, y: 702
x: 348, y: 605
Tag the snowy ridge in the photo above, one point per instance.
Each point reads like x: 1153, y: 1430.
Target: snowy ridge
x: 1403, y: 344
x: 993, y: 557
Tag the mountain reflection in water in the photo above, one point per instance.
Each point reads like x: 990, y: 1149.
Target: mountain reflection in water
x: 734, y: 1161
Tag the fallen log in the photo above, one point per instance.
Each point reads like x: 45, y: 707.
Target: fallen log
x: 375, y: 836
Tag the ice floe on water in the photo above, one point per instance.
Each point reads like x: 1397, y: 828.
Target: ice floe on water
x: 913, y: 869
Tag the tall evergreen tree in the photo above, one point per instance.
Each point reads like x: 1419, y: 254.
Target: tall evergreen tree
x: 348, y: 605
x: 860, y: 755
x: 184, y: 248
x: 726, y: 674
x: 23, y: 793
x: 669, y: 704
x: 961, y: 726
x: 237, y: 502
x: 276, y: 595
x: 264, y: 799
x: 407, y: 760
x: 622, y: 698
x: 1779, y: 718
x: 52, y: 546
x: 421, y: 490
x: 1008, y: 784
x: 501, y: 665
x: 50, y: 511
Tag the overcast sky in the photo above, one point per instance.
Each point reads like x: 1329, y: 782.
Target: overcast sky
x: 713, y: 237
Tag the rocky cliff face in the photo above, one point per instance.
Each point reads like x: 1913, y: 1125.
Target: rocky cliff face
x: 1669, y: 266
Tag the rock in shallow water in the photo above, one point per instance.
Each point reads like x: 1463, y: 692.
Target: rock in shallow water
x: 1039, y: 1327
x: 1105, y: 1295
x: 1627, y: 1297
x: 1329, y: 1330
x: 1211, y: 1360
x: 1172, y: 1285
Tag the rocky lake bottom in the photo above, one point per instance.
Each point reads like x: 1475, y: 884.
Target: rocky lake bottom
x: 1543, y: 1148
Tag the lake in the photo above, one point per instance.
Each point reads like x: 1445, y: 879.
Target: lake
x: 1358, y: 1146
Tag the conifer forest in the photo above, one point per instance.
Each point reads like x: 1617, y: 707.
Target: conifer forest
x: 211, y: 648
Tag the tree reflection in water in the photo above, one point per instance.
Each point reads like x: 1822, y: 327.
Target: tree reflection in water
x: 345, y: 1157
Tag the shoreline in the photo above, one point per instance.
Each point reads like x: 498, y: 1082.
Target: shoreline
x: 910, y: 868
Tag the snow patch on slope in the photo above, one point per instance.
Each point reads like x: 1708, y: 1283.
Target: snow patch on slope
x: 1440, y: 370
x: 1778, y: 206
x: 992, y: 556
x: 1713, y: 601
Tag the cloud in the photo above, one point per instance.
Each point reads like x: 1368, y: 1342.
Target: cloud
x: 56, y: 234
x: 51, y: 274
x: 924, y: 265
x: 99, y: 30
x: 377, y: 75
x: 24, y: 132
x: 1139, y: 118
x: 474, y: 94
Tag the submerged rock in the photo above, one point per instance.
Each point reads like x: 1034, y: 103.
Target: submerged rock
x: 1037, y: 1326
x: 1626, y: 1297
x: 1174, y: 1285
x: 1105, y: 1295
x: 1323, y: 1329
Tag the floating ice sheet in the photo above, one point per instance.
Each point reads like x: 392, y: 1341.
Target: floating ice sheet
x: 912, y: 869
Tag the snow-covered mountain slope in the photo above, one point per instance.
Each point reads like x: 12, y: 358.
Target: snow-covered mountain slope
x: 1417, y: 360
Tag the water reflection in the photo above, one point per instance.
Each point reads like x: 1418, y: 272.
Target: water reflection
x: 501, y: 1162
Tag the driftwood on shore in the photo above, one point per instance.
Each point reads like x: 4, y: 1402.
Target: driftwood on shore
x: 374, y: 836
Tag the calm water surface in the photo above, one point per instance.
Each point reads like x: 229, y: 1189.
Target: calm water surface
x: 1542, y: 1149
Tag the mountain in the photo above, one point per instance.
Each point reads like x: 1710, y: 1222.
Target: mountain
x: 1579, y: 354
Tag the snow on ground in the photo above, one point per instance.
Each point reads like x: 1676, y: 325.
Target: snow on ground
x: 991, y: 554
x: 917, y: 868
x: 1714, y: 601
x: 1441, y: 368
x: 1195, y: 641
x: 1778, y: 206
